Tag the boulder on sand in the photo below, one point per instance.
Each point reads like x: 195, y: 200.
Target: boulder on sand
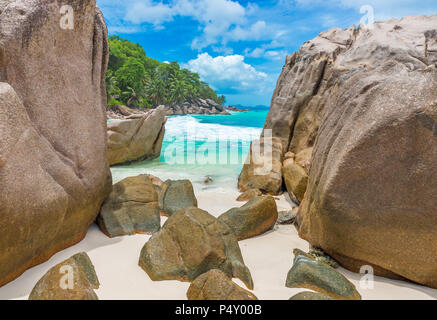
x: 318, y: 276
x: 54, y: 173
x: 190, y: 243
x: 176, y: 195
x: 249, y: 195
x: 296, y: 180
x: 215, y: 285
x: 72, y: 279
x: 132, y: 207
x: 252, y: 219
x: 136, y: 139
x: 262, y: 169
x: 371, y: 197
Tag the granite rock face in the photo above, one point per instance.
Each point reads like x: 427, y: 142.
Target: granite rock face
x: 52, y: 129
x: 176, y: 195
x: 371, y: 196
x: 262, y: 168
x: 132, y: 207
x: 249, y: 195
x: 136, y: 139
x: 358, y: 108
x: 190, y: 243
x: 296, y: 180
x: 215, y: 285
x: 252, y: 219
x: 73, y: 279
x: 318, y: 276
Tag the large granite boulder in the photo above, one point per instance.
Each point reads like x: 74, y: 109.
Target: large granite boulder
x: 176, y: 195
x: 132, y: 207
x: 252, y: 219
x: 215, y: 285
x: 296, y: 180
x: 318, y: 276
x: 54, y: 171
x: 190, y: 243
x: 262, y: 168
x: 136, y: 139
x: 72, y: 279
x: 371, y: 197
x: 249, y: 195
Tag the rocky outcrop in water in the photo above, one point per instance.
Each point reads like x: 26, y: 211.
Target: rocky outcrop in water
x: 137, y: 138
x: 198, y: 106
x: 72, y: 279
x: 190, y: 243
x: 365, y: 100
x: 53, y: 164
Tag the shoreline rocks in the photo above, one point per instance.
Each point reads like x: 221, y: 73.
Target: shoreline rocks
x: 190, y: 243
x: 215, y: 285
x: 53, y: 129
x: 72, y: 279
x: 197, y: 106
x: 176, y: 195
x: 136, y: 139
x: 252, y: 219
x: 371, y: 196
x: 318, y: 276
x: 357, y: 110
x: 132, y: 207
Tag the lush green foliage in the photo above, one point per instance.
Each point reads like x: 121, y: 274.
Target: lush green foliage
x: 139, y: 81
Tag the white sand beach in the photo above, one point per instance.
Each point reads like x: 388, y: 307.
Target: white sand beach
x: 269, y: 257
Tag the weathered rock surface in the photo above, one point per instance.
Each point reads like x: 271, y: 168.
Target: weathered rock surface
x: 252, y: 219
x: 176, y: 195
x: 136, y: 139
x: 249, y: 195
x: 132, y: 207
x: 371, y: 197
x: 72, y: 279
x: 198, y: 106
x: 262, y: 169
x: 215, y: 285
x: 190, y: 243
x: 53, y: 164
x: 296, y: 180
x: 309, y: 295
x: 287, y: 217
x: 314, y: 275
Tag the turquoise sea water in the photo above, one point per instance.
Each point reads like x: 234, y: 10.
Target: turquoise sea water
x: 196, y: 146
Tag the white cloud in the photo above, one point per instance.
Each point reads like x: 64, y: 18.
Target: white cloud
x: 229, y: 74
x: 220, y: 21
x: 149, y: 11
x: 270, y: 51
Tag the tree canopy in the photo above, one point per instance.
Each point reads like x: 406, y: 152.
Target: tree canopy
x: 136, y: 80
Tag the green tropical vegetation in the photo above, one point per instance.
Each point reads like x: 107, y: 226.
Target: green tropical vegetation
x: 135, y: 80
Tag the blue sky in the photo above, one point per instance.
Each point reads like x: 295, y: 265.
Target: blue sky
x: 239, y: 47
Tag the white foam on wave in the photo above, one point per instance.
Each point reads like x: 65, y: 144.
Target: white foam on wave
x: 190, y: 128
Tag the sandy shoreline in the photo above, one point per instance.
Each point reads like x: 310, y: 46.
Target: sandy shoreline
x: 269, y: 257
